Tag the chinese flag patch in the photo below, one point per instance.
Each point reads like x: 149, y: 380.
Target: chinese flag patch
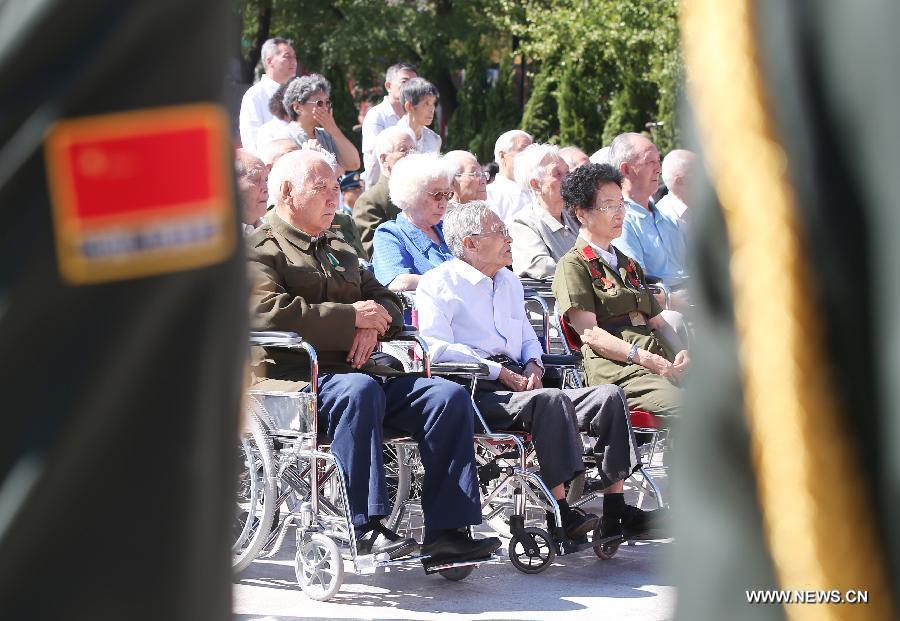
x: 140, y: 193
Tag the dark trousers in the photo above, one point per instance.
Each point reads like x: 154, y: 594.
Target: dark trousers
x: 354, y: 409
x: 554, y: 416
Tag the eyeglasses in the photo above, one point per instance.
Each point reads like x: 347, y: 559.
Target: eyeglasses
x: 321, y: 103
x: 502, y: 231
x: 478, y: 175
x: 606, y: 208
x: 440, y: 196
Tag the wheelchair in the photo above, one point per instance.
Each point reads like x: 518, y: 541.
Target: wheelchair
x: 650, y: 430
x: 289, y: 478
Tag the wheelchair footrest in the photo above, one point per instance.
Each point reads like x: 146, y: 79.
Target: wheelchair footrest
x: 440, y: 565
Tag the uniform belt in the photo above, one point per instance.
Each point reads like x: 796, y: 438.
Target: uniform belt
x: 614, y: 323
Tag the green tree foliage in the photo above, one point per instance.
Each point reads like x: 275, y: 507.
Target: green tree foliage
x: 596, y: 67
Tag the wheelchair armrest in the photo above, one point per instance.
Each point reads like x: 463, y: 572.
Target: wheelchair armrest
x: 561, y: 360
x: 274, y: 339
x: 467, y: 369
x: 289, y: 341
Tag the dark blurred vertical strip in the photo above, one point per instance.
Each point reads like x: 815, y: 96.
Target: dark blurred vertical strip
x: 119, y: 401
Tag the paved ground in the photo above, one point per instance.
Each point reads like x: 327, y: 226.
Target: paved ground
x: 579, y: 586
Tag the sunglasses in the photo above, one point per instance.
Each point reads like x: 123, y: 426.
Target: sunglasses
x: 440, y: 196
x: 321, y: 103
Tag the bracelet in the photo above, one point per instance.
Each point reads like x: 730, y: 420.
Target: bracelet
x: 631, y: 354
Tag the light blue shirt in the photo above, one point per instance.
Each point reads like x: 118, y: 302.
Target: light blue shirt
x: 654, y: 240
x: 400, y: 247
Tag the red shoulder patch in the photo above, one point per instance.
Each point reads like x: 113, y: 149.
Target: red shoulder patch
x: 140, y: 193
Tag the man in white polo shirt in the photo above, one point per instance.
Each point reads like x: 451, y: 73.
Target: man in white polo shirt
x: 280, y: 62
x: 505, y: 196
x: 384, y: 115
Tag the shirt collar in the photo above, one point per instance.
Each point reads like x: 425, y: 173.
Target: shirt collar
x: 468, y: 272
x: 417, y: 236
x: 552, y: 223
x: 295, y: 236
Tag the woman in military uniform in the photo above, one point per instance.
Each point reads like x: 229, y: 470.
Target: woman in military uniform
x: 604, y: 296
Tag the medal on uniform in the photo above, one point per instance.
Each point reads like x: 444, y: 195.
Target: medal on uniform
x: 334, y: 262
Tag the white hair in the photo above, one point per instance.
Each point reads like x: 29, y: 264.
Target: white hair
x: 463, y: 220
x: 294, y: 167
x: 271, y: 46
x: 624, y: 148
x: 505, y: 142
x: 600, y: 156
x: 411, y: 174
x: 530, y: 164
x: 568, y: 155
x: 273, y: 149
x: 455, y: 158
x: 677, y: 163
x: 387, y: 140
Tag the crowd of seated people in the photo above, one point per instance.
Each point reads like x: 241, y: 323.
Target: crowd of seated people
x: 590, y: 229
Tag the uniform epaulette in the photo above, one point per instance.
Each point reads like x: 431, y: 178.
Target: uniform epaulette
x: 587, y: 253
x: 262, y: 234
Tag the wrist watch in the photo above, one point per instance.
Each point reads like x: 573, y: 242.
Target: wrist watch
x: 632, y: 353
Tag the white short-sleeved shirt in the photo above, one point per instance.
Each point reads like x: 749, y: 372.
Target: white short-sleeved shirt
x: 507, y: 198
x: 378, y: 119
x: 255, y: 110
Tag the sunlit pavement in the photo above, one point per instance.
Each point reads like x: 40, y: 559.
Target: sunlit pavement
x: 632, y: 585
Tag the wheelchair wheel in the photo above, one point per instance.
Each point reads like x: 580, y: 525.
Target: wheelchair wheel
x: 401, y: 468
x: 541, y: 555
x: 457, y: 573
x: 319, y: 567
x: 256, y: 490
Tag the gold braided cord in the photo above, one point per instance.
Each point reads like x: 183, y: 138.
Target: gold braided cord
x: 815, y: 517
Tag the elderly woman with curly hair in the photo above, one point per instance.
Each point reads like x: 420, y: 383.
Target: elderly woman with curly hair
x: 308, y: 104
x: 413, y: 243
x: 603, y: 296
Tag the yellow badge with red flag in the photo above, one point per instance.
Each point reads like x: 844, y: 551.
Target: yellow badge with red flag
x: 140, y: 193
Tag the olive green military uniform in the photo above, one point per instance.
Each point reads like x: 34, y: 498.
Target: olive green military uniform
x: 308, y: 286
x: 344, y: 226
x: 372, y: 208
x: 585, y: 281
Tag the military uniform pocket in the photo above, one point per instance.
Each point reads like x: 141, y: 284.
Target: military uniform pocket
x: 304, y: 282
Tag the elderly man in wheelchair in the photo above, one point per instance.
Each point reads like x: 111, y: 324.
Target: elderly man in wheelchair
x: 471, y: 309
x: 307, y: 280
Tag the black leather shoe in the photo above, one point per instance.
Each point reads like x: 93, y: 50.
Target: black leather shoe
x: 393, y: 544
x: 456, y: 546
x: 577, y: 523
x: 639, y: 524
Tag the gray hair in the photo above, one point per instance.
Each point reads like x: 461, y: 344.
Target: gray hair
x: 411, y: 174
x: 530, y: 163
x: 387, y: 140
x: 454, y: 158
x: 623, y: 149
x: 246, y: 163
x: 417, y: 89
x: 294, y: 167
x: 271, y: 46
x: 505, y: 142
x: 301, y: 89
x: 463, y: 220
x: 677, y: 163
x: 393, y: 70
x: 568, y: 155
x: 274, y: 149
